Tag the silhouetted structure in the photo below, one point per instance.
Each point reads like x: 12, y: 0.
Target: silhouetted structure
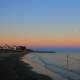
x: 20, y: 48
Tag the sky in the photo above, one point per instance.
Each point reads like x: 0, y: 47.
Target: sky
x: 40, y: 23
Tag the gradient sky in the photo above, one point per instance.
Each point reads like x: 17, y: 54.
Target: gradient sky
x: 48, y: 23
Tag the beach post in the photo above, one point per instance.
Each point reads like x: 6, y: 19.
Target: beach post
x: 67, y: 62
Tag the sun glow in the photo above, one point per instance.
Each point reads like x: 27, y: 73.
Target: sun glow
x: 43, y: 42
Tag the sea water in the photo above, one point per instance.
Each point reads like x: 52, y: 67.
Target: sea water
x: 67, y: 65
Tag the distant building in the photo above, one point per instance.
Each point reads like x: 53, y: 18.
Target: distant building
x: 1, y: 47
x: 20, y: 48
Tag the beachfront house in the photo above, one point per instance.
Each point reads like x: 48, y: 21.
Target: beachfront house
x: 20, y: 48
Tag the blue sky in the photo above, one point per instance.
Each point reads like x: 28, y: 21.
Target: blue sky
x: 40, y: 10
x: 39, y: 19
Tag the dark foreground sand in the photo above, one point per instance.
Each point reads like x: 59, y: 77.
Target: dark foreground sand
x: 12, y: 68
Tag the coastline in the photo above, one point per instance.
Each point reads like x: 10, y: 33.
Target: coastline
x: 55, y: 67
x: 32, y: 66
x: 39, y: 68
x: 12, y: 68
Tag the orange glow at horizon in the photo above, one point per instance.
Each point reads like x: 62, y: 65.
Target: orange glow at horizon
x: 43, y: 42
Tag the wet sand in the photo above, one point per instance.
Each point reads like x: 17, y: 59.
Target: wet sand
x: 13, y: 68
x: 26, y: 66
x: 40, y: 68
x: 54, y: 65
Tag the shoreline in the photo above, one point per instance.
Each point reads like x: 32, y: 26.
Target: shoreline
x: 12, y: 68
x: 39, y: 68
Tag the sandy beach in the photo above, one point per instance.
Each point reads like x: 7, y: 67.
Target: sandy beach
x: 13, y: 68
x: 37, y: 66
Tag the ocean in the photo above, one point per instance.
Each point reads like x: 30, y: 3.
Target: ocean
x: 65, y: 64
x: 63, y: 50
